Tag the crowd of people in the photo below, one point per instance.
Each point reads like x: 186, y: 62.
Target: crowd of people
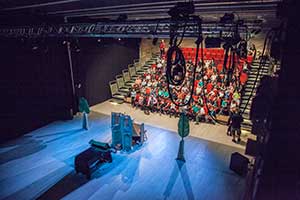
x: 214, y: 94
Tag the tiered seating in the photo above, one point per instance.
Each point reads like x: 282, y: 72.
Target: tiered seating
x: 216, y: 54
x: 152, y: 93
x: 120, y: 87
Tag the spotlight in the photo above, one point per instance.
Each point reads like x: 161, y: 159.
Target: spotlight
x: 35, y: 47
x: 99, y: 40
x: 227, y: 18
x: 122, y: 17
x: 119, y: 39
x: 77, y: 48
x: 64, y: 42
x: 182, y: 10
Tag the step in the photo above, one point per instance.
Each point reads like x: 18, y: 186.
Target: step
x: 124, y: 90
x: 247, y: 122
x: 257, y: 67
x: 245, y: 132
x: 118, y: 96
x: 249, y: 129
x: 250, y: 89
x: 116, y: 101
x: 242, y: 106
x: 244, y: 102
x: 255, y: 75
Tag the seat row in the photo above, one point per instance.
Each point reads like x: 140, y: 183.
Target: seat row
x: 120, y: 87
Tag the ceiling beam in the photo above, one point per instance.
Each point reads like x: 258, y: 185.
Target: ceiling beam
x: 39, y: 5
x: 146, y: 29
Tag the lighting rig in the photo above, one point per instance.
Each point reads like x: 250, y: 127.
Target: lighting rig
x: 124, y: 29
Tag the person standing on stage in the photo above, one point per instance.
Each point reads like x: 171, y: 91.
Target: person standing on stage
x: 235, y: 122
x: 162, y: 46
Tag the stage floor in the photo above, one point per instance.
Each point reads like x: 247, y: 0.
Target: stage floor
x: 210, y: 132
x: 40, y: 164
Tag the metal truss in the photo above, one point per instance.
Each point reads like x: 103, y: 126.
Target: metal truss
x: 133, y: 29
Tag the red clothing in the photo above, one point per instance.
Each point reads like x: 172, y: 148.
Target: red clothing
x: 196, y: 83
x: 219, y: 102
x: 243, y: 78
x: 209, y: 73
x: 148, y: 90
x: 162, y: 45
x: 209, y: 87
x: 137, y: 97
x: 219, y: 67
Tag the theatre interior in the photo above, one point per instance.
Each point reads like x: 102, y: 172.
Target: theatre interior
x: 149, y: 99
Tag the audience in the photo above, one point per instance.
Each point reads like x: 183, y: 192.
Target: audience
x: 211, y: 96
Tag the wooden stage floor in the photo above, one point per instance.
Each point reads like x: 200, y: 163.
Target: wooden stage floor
x: 40, y: 165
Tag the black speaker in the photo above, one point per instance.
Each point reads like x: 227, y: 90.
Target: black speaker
x: 239, y: 164
x: 251, y: 147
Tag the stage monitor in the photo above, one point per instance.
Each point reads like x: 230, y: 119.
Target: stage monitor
x: 212, y: 42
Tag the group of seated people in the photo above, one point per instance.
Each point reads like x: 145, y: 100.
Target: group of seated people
x: 214, y: 94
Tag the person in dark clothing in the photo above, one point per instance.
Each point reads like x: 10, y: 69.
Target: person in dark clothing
x: 229, y: 125
x: 235, y: 122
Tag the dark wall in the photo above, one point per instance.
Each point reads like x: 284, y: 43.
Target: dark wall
x: 35, y: 85
x: 97, y: 63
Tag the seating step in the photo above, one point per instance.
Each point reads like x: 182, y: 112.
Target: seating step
x: 249, y: 129
x: 115, y: 100
x: 124, y: 90
x: 247, y: 122
x: 118, y: 96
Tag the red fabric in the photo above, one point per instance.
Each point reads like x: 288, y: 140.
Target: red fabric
x: 148, y: 90
x: 243, y: 78
x: 209, y: 87
x: 219, y: 67
x: 219, y: 102
x: 195, y: 97
x: 137, y: 96
x: 162, y: 45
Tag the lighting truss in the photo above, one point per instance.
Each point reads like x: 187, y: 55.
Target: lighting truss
x: 129, y: 29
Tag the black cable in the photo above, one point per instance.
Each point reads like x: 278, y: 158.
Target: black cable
x: 176, y: 49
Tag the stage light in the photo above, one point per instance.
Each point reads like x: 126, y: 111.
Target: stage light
x: 64, y: 42
x: 182, y: 10
x: 122, y: 17
x: 119, y: 39
x: 99, y: 40
x: 227, y: 18
x: 77, y: 48
x: 35, y: 47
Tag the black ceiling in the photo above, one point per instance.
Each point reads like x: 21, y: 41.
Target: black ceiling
x: 36, y: 11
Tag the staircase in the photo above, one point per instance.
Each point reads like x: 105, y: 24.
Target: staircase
x: 120, y: 87
x: 247, y: 124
